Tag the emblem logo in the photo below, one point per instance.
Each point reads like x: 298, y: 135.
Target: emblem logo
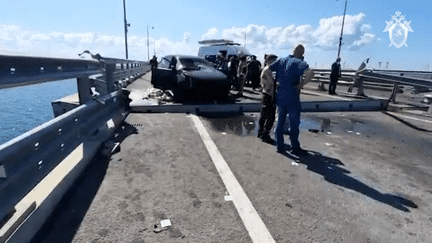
x: 398, y: 29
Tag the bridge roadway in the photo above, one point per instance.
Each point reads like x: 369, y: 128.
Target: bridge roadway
x: 366, y: 178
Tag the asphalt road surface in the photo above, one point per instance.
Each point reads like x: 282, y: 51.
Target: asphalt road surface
x: 366, y: 178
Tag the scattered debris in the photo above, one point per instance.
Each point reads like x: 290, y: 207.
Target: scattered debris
x: 329, y: 133
x: 228, y: 198
x: 294, y: 163
x: 330, y: 145
x: 223, y: 133
x: 358, y: 133
x: 165, y: 223
x: 168, y: 95
x: 349, y: 131
x: 314, y: 130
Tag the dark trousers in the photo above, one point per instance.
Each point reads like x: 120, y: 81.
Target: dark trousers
x: 293, y: 111
x: 267, y: 118
x: 255, y: 80
x: 332, y: 86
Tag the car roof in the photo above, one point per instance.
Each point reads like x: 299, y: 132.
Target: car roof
x: 184, y: 56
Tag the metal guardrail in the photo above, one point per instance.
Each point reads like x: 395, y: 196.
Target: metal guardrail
x: 386, y: 78
x: 22, y: 70
x: 27, y: 159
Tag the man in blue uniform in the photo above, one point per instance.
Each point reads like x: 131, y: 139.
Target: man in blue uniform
x: 288, y: 75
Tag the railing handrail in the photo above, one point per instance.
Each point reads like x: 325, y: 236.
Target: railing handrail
x: 376, y: 76
x: 27, y: 70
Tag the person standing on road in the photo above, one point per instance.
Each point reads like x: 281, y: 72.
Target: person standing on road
x: 241, y: 73
x: 288, y: 76
x: 232, y: 71
x: 268, y: 110
x: 153, y: 65
x: 221, y: 63
x: 254, y: 68
x: 334, y: 76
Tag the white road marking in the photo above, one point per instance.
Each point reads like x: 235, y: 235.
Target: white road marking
x: 409, y: 117
x: 253, y: 223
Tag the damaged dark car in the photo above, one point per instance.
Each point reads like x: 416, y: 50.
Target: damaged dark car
x: 190, y: 78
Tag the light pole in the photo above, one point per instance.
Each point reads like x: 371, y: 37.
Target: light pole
x: 148, y: 48
x: 125, y: 27
x: 343, y: 22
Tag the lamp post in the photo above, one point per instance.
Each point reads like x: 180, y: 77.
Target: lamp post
x: 125, y: 27
x: 343, y: 22
x: 148, y: 48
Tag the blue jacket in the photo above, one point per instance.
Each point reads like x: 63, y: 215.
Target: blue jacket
x: 288, y: 72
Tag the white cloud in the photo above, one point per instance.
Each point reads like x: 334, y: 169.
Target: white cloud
x: 186, y: 37
x: 259, y: 39
x: 211, y: 34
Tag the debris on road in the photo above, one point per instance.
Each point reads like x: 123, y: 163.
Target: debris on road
x: 330, y: 145
x: 314, y: 130
x: 164, y: 224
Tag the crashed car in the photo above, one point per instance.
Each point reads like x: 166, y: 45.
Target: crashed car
x: 190, y: 77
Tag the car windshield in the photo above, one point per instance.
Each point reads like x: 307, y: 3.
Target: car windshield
x: 194, y: 63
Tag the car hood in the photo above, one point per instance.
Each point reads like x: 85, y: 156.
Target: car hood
x: 205, y: 74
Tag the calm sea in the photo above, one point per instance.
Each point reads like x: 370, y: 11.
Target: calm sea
x: 26, y: 107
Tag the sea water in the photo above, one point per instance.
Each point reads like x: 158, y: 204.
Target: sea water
x: 26, y: 107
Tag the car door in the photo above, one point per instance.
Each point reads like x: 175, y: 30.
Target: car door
x: 165, y: 75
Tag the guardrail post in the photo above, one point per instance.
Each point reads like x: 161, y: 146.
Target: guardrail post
x: 110, y: 68
x: 394, y: 92
x: 84, y: 90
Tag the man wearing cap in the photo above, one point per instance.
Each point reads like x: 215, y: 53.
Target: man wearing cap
x: 268, y: 110
x: 288, y: 76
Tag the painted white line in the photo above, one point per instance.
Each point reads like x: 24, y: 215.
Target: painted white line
x: 409, y: 117
x: 253, y: 223
x: 331, y: 96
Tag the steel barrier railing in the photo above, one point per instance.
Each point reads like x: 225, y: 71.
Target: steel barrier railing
x: 27, y: 159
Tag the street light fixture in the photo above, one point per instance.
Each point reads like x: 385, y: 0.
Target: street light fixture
x: 148, y: 48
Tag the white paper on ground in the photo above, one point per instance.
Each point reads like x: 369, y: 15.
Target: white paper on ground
x: 228, y: 198
x: 165, y: 223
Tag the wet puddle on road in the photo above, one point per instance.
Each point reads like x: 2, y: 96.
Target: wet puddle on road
x: 247, y: 124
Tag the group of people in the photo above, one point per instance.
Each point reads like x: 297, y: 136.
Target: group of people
x: 283, y: 93
x: 241, y: 70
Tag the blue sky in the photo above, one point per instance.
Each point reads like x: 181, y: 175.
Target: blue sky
x: 66, y: 28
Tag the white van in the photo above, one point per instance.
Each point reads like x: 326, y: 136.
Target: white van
x: 211, y: 48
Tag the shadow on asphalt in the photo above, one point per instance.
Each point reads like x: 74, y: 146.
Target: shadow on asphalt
x: 330, y: 170
x: 64, y: 221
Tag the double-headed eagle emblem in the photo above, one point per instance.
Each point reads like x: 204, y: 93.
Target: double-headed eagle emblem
x: 398, y: 29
